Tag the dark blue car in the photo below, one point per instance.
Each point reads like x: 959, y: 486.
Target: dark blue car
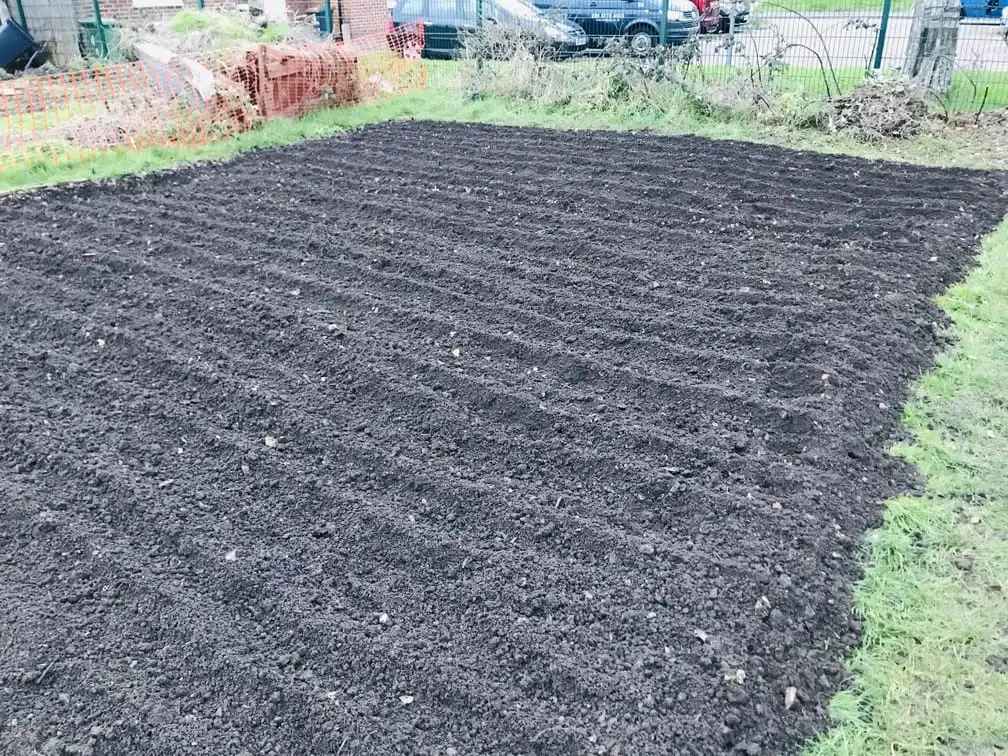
x: 992, y: 9
x: 639, y: 21
x: 447, y: 22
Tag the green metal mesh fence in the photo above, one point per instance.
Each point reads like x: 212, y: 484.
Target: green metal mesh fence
x: 814, y: 46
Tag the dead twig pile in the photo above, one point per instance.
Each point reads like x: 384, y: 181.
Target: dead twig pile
x: 881, y: 108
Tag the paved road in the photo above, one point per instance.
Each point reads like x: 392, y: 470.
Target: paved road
x: 848, y: 40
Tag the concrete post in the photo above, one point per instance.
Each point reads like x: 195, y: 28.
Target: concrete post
x: 931, y: 51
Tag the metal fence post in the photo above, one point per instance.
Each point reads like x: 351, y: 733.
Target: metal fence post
x: 200, y: 4
x: 730, y: 51
x: 663, y: 28
x: 327, y: 5
x: 21, y: 15
x: 102, y: 42
x: 883, y: 28
x: 482, y: 40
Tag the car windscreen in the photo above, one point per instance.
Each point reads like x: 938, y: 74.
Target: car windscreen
x: 465, y: 11
x: 516, y: 10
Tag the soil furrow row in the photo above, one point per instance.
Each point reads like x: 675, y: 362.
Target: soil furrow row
x: 603, y: 422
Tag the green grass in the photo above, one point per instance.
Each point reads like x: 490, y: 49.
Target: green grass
x: 811, y: 80
x: 968, y: 91
x: 970, y: 88
x: 821, y: 6
x: 18, y: 174
x: 191, y: 21
x: 934, y: 599
x: 226, y: 29
x: 21, y: 172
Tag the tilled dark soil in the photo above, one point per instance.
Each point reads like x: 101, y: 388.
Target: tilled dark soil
x: 456, y: 439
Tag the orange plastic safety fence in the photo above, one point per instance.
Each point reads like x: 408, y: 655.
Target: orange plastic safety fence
x: 164, y: 100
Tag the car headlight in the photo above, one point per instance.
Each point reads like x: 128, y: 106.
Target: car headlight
x: 674, y: 14
x: 555, y: 34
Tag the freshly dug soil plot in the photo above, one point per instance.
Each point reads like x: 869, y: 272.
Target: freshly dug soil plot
x: 456, y: 439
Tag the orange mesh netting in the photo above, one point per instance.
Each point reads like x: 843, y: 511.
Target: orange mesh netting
x: 164, y: 99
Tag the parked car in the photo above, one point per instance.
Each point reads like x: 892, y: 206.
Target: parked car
x: 740, y: 8
x: 639, y: 21
x: 446, y: 22
x: 991, y: 9
x: 710, y: 15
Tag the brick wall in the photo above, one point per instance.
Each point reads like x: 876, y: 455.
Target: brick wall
x: 133, y: 10
x: 365, y: 17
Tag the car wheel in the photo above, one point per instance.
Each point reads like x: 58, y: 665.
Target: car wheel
x: 724, y: 23
x: 642, y: 41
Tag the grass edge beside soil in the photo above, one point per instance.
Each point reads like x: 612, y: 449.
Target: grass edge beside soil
x: 443, y: 105
x: 17, y: 175
x: 931, y: 669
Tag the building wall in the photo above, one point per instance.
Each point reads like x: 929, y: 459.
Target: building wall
x: 365, y: 17
x: 57, y: 22
x: 138, y: 10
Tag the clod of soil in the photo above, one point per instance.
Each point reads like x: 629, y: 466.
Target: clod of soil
x: 575, y: 437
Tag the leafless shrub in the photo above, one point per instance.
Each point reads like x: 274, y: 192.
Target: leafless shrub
x: 512, y: 64
x: 508, y: 62
x: 760, y: 88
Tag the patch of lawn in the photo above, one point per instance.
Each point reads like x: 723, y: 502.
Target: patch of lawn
x: 932, y: 672
x: 225, y: 29
x: 22, y: 171
x: 816, y: 82
x: 969, y: 88
x: 973, y: 88
x: 32, y: 169
x: 837, y: 6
